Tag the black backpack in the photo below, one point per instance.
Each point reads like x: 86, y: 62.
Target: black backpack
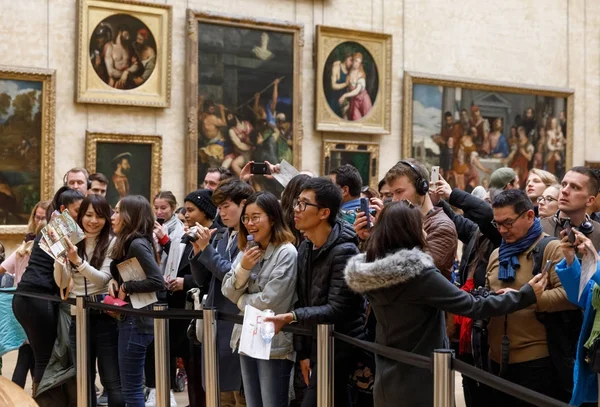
x: 562, y: 331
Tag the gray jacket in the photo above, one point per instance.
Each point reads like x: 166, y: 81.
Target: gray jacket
x: 272, y: 285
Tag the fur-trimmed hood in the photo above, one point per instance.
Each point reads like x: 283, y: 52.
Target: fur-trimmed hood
x: 397, y: 268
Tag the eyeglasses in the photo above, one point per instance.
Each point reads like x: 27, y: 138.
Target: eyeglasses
x: 254, y: 219
x: 546, y: 199
x: 39, y: 218
x: 508, y: 224
x: 301, y: 205
x: 407, y: 203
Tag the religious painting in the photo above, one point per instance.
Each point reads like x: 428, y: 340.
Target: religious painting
x: 361, y: 155
x: 27, y: 114
x: 353, y: 81
x: 470, y: 129
x: 131, y: 162
x: 124, y: 53
x: 244, y: 95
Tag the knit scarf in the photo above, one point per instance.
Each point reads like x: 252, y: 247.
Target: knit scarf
x: 595, y: 334
x: 170, y: 263
x: 509, y: 252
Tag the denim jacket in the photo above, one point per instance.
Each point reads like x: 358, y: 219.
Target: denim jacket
x: 272, y: 285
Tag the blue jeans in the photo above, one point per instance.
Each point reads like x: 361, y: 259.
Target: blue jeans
x: 266, y: 382
x: 132, y: 355
x: 102, y: 346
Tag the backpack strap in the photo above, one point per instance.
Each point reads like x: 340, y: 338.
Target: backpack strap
x: 538, y: 253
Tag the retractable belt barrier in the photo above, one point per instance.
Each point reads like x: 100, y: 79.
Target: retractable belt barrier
x: 442, y: 363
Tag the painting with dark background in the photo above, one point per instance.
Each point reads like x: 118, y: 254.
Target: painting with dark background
x: 20, y: 149
x: 470, y: 133
x: 246, y: 94
x: 112, y: 160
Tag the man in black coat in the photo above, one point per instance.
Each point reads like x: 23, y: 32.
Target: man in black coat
x: 323, y: 295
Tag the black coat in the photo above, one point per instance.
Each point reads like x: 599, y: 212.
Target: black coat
x: 478, y: 211
x: 323, y: 295
x: 409, y: 297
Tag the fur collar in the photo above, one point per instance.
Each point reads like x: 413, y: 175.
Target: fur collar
x: 397, y: 268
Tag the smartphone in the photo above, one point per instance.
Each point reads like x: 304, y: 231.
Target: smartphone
x: 259, y: 168
x: 160, y: 221
x: 570, y: 233
x: 364, y: 207
x: 547, y: 267
x: 435, y: 174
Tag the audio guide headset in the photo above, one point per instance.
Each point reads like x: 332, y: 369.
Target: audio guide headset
x: 421, y: 184
x: 586, y: 227
x: 78, y: 169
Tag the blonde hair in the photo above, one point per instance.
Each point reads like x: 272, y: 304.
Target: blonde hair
x: 25, y: 248
x: 31, y: 224
x: 361, y: 69
x: 547, y: 178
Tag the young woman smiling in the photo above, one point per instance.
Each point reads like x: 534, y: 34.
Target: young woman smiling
x: 264, y: 276
x: 87, y: 272
x: 133, y: 224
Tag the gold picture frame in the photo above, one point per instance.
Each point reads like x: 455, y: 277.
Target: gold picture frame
x: 107, y: 73
x: 520, y: 126
x: 338, y: 152
x: 369, y: 111
x: 271, y: 43
x: 593, y: 164
x: 105, y: 152
x: 32, y: 119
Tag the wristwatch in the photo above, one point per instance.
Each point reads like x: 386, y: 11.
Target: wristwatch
x: 295, y: 318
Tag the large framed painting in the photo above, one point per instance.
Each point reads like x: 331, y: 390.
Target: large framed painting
x: 124, y: 53
x: 244, y: 95
x: 27, y: 119
x: 353, y: 81
x: 361, y: 155
x: 470, y: 129
x: 131, y: 162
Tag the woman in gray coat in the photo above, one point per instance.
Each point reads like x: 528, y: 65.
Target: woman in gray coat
x: 409, y: 297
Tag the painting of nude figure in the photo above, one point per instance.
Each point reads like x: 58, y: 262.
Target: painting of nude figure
x: 247, y: 103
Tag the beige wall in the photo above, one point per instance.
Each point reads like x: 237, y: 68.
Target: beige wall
x: 533, y: 42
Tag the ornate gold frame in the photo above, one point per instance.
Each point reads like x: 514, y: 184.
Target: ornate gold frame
x: 48, y: 79
x: 412, y: 78
x: 156, y: 92
x: 379, y: 119
x: 367, y: 147
x: 93, y: 138
x: 191, y: 144
x: 592, y: 164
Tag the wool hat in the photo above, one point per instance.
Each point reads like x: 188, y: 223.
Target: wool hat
x: 202, y: 198
x: 502, y: 177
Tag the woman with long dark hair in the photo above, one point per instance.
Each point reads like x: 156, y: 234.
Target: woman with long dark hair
x: 289, y: 194
x: 39, y: 318
x: 133, y: 224
x: 409, y: 296
x: 86, y: 271
x: 264, y: 276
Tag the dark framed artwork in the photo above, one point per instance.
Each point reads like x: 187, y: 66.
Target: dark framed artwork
x: 244, y: 95
x: 124, y: 53
x: 363, y: 156
x: 131, y: 162
x: 27, y: 120
x: 353, y: 86
x: 470, y: 128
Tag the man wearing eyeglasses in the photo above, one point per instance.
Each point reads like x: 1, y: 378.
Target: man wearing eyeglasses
x: 528, y: 360
x: 323, y: 295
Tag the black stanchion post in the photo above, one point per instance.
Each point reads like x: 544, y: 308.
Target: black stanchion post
x: 211, y: 357
x: 325, y: 366
x: 161, y: 358
x: 81, y: 337
x: 443, y: 378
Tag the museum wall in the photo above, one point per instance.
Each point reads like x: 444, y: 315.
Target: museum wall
x: 530, y: 42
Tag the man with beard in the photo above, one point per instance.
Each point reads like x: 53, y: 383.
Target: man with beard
x: 119, y: 58
x: 119, y: 178
x: 529, y: 123
x: 339, y: 74
x: 102, y: 37
x: 146, y: 56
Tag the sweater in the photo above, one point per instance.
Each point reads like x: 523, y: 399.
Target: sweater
x: 39, y: 274
x: 442, y: 240
x: 527, y: 334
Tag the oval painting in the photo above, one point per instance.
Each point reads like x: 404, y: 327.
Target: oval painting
x: 123, y: 51
x: 350, y: 81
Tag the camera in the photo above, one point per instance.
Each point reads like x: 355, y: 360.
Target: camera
x: 191, y: 236
x: 481, y: 292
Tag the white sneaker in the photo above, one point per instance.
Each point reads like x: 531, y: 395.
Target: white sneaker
x: 173, y: 402
x: 151, y: 400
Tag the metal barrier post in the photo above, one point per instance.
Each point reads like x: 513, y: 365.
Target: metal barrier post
x: 81, y: 338
x: 161, y: 358
x: 325, y: 366
x: 443, y: 378
x: 211, y: 357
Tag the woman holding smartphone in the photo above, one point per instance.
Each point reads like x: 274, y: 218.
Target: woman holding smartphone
x: 264, y: 276
x: 133, y: 224
x: 86, y: 271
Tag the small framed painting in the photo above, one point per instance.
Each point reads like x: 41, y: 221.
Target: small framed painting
x: 362, y: 156
x: 131, y: 162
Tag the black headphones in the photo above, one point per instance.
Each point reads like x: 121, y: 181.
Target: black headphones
x: 586, y: 227
x: 87, y: 176
x: 421, y: 185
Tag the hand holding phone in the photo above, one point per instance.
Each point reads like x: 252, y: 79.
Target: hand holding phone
x: 547, y: 267
x: 569, y: 229
x: 259, y: 169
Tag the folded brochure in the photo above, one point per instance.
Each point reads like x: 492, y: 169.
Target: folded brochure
x: 54, y: 233
x: 131, y: 270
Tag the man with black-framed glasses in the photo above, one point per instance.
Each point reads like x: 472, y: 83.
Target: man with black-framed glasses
x: 525, y: 359
x: 323, y: 295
